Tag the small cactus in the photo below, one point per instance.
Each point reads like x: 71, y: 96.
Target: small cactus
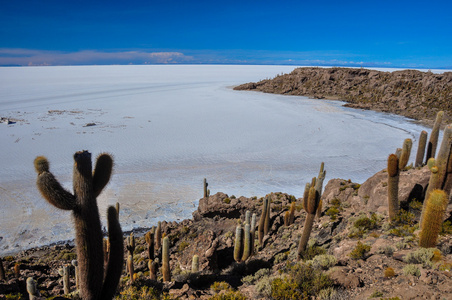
x: 292, y: 213
x: 421, y: 149
x: 246, y: 242
x: 153, y: 268
x: 17, y: 270
x: 433, y: 218
x: 66, y: 282
x: 130, y: 268
x: 311, y: 208
x: 195, y: 264
x: 32, y: 289
x: 393, y: 186
x: 405, y: 155
x: 166, y: 272
x: 253, y: 232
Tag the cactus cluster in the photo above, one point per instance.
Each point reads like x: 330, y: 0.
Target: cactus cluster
x: 244, y: 239
x: 87, y: 185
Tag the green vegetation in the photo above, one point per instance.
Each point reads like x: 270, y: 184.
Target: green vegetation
x: 360, y: 251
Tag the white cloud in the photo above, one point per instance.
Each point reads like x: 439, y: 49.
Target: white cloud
x: 24, y: 57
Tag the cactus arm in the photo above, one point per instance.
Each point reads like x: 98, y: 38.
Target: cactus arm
x: 116, y: 257
x: 102, y: 173
x: 50, y: 188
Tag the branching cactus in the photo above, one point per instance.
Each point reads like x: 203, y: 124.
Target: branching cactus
x: 433, y: 218
x: 32, y: 289
x: 433, y: 141
x: 166, y: 271
x: 393, y: 186
x: 406, y: 152
x: 421, y: 149
x: 312, y: 204
x: 87, y: 186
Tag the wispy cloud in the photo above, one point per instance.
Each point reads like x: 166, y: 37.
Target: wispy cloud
x: 26, y: 57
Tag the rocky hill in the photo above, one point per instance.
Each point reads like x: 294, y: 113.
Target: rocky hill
x: 414, y: 94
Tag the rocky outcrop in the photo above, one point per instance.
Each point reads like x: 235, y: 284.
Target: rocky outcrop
x: 414, y: 94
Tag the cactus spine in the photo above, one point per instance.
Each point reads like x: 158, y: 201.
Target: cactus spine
x: 87, y: 186
x: 165, y: 260
x: 32, y: 289
x: 195, y: 264
x: 406, y: 152
x: 421, y: 149
x: 433, y: 218
x: 311, y: 208
x: 393, y: 186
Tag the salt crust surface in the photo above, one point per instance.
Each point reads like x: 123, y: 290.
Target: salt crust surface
x: 168, y: 127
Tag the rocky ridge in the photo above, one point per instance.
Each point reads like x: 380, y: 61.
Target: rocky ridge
x: 410, y: 93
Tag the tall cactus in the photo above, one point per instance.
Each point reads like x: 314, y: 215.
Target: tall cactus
x: 433, y: 218
x: 166, y: 271
x: 439, y: 166
x: 312, y: 204
x: 253, y: 232
x: 2, y: 270
x: 130, y: 268
x: 238, y: 244
x: 319, y: 187
x: 87, y: 186
x: 433, y: 141
x: 262, y: 220
x: 393, y: 186
x: 421, y: 149
x: 153, y: 266
x: 158, y: 236
x: 149, y: 237
x: 406, y: 152
x: 206, y: 193
x: 246, y: 242
x: 75, y: 264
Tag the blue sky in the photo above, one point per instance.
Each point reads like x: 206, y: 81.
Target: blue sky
x: 383, y: 33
